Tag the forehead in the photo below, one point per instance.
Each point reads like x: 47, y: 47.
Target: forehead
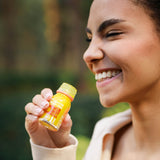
x: 102, y: 10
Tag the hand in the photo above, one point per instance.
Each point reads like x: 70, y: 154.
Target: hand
x: 38, y: 133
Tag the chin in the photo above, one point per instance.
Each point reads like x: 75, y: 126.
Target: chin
x: 107, y: 102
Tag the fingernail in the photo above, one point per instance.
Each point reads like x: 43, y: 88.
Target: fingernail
x: 38, y: 110
x: 44, y: 104
x: 48, y: 96
x: 68, y: 117
x: 66, y: 122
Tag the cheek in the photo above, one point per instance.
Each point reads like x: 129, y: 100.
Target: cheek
x: 147, y: 58
x: 140, y: 63
x: 126, y: 53
x: 119, y: 51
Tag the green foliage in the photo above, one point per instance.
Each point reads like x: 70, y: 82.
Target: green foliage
x: 115, y: 109
x: 85, y: 5
x: 30, y: 27
x: 14, y: 139
x: 14, y: 81
x: 82, y: 146
x: 18, y: 90
x: 85, y: 111
x: 35, y: 68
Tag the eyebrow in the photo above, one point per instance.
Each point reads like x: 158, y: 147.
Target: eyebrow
x: 88, y: 31
x: 106, y: 24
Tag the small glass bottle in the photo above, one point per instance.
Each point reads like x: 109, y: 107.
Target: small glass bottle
x: 59, y: 106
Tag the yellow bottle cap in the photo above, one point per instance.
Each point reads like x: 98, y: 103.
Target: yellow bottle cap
x: 68, y: 90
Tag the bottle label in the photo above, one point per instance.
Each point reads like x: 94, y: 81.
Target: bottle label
x: 54, y: 111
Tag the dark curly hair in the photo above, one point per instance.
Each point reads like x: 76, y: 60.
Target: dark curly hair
x: 152, y: 8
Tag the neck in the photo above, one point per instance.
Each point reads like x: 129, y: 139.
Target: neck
x: 146, y: 124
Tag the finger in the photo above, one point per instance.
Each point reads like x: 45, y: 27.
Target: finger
x: 47, y: 94
x: 31, y: 123
x: 67, y: 123
x: 40, y: 101
x: 63, y: 132
x: 65, y: 128
x: 30, y: 108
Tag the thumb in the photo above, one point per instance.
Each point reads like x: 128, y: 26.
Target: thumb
x: 61, y: 137
x: 66, y: 124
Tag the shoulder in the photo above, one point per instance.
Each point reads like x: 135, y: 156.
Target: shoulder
x: 112, y: 124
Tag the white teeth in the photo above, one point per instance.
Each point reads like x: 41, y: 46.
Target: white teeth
x: 104, y: 75
x: 99, y: 76
x: 108, y: 74
x: 114, y: 73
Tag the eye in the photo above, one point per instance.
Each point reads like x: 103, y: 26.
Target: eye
x: 113, y: 34
x: 88, y: 39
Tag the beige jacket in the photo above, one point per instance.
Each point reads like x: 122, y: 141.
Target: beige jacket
x: 100, y: 147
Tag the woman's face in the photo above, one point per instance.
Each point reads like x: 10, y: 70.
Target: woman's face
x: 124, y: 52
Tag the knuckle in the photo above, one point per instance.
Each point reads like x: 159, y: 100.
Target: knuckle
x: 44, y: 90
x: 30, y: 123
x: 30, y: 119
x: 36, y: 97
x: 27, y: 106
x: 46, y: 93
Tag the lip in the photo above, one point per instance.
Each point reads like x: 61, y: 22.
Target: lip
x: 104, y: 82
x: 105, y: 70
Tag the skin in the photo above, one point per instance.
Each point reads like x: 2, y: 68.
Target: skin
x: 39, y: 134
x: 130, y: 51
x: 135, y: 50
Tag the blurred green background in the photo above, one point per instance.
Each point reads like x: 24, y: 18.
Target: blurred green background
x: 41, y: 45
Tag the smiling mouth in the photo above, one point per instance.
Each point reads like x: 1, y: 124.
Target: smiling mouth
x: 107, y: 74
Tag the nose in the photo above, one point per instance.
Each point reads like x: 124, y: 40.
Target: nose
x: 94, y: 53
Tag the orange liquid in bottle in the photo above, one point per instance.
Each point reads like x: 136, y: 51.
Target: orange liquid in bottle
x: 59, y: 106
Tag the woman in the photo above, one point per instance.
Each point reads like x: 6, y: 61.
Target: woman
x: 124, y: 55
